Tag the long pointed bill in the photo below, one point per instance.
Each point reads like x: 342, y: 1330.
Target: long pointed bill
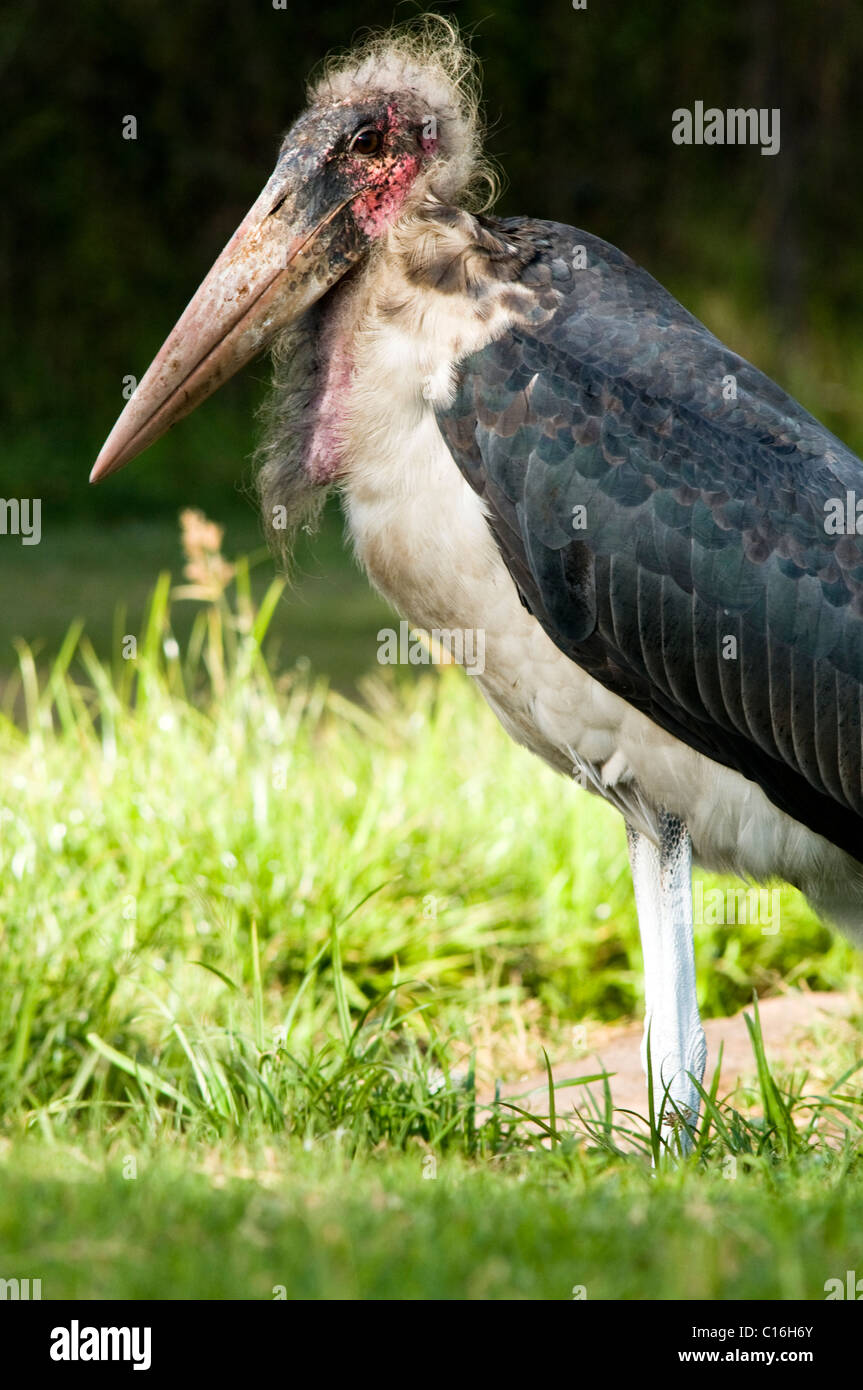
x: 277, y: 263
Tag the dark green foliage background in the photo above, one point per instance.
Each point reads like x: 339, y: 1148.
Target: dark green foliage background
x: 103, y: 239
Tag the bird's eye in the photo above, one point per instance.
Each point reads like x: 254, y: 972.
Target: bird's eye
x: 366, y: 141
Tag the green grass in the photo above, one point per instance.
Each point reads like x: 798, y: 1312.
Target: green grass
x: 262, y: 950
x: 323, y: 1226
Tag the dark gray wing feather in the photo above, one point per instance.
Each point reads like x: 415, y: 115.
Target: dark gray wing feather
x: 704, y: 586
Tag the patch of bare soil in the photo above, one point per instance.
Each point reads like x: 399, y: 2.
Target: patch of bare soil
x: 801, y: 1030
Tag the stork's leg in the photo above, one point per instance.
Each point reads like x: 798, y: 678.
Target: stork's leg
x: 662, y: 877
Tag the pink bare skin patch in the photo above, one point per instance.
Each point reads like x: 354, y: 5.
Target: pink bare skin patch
x: 380, y: 205
x: 386, y: 182
x: 323, y: 457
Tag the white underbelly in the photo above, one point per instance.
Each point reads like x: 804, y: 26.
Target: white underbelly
x: 421, y: 534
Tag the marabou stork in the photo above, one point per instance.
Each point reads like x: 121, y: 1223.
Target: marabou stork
x: 533, y: 439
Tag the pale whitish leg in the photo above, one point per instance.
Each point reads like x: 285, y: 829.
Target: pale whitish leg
x: 662, y: 878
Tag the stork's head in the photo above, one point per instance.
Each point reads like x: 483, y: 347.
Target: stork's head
x: 393, y: 122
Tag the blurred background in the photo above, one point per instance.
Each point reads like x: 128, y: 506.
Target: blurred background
x: 104, y: 240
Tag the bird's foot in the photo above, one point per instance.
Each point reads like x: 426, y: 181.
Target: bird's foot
x: 676, y: 1101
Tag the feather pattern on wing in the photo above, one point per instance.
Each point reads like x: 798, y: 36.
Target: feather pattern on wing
x: 661, y: 506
